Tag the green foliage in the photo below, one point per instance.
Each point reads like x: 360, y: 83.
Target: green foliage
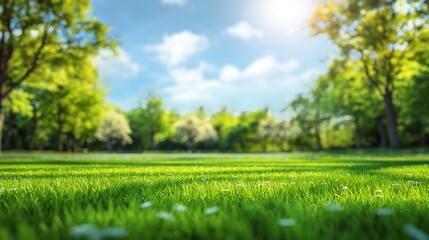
x: 377, y: 41
x: 43, y: 44
x: 148, y: 123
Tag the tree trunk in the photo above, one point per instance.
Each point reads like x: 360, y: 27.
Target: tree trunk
x: 317, y: 133
x: 74, y: 143
x: 9, y: 130
x: 1, y: 114
x: 392, y: 124
x: 152, y: 140
x: 357, y: 134
x: 60, y: 129
x: 381, y: 132
x: 189, y: 145
x: 69, y: 142
x: 423, y: 139
x: 33, y: 127
x: 264, y: 146
x: 1, y: 123
x: 109, y: 144
x: 282, y: 145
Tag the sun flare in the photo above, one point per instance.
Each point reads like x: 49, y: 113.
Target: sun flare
x: 285, y: 17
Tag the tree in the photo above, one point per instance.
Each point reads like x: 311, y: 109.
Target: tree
x: 71, y: 105
x: 35, y: 34
x: 377, y: 34
x: 283, y: 132
x: 271, y: 130
x: 223, y: 121
x: 192, y: 129
x: 148, y: 121
x: 243, y: 135
x: 114, y: 127
x: 166, y: 138
x: 267, y: 131
x: 414, y: 97
x: 346, y: 95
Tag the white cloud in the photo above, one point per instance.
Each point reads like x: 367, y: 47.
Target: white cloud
x: 245, y: 31
x: 265, y: 81
x: 178, y: 48
x: 175, y: 2
x: 111, y: 65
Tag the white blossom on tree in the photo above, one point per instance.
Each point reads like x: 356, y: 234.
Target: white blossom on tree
x: 114, y: 127
x: 272, y: 130
x: 191, y: 130
x: 267, y: 131
x: 283, y: 133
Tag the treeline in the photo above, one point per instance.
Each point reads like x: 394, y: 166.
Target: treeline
x: 374, y: 93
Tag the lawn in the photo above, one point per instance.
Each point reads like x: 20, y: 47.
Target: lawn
x: 349, y: 195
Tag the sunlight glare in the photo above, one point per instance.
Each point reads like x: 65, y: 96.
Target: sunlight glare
x: 284, y: 17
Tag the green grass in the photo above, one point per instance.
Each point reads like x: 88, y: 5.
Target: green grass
x: 44, y: 196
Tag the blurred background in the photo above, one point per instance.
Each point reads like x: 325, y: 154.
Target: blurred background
x: 229, y: 76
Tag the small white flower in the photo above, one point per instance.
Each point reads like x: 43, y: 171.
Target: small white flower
x: 84, y: 231
x: 146, y: 205
x: 179, y: 208
x: 415, y: 233
x: 165, y: 216
x: 345, y: 188
x: 384, y: 211
x: 113, y: 233
x: 378, y: 191
x: 333, y: 207
x: 212, y: 210
x: 286, y: 222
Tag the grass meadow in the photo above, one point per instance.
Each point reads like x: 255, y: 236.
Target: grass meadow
x: 348, y: 195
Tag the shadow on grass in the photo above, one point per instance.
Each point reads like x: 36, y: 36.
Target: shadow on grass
x: 218, y: 172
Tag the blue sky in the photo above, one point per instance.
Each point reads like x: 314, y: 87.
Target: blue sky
x: 242, y: 54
